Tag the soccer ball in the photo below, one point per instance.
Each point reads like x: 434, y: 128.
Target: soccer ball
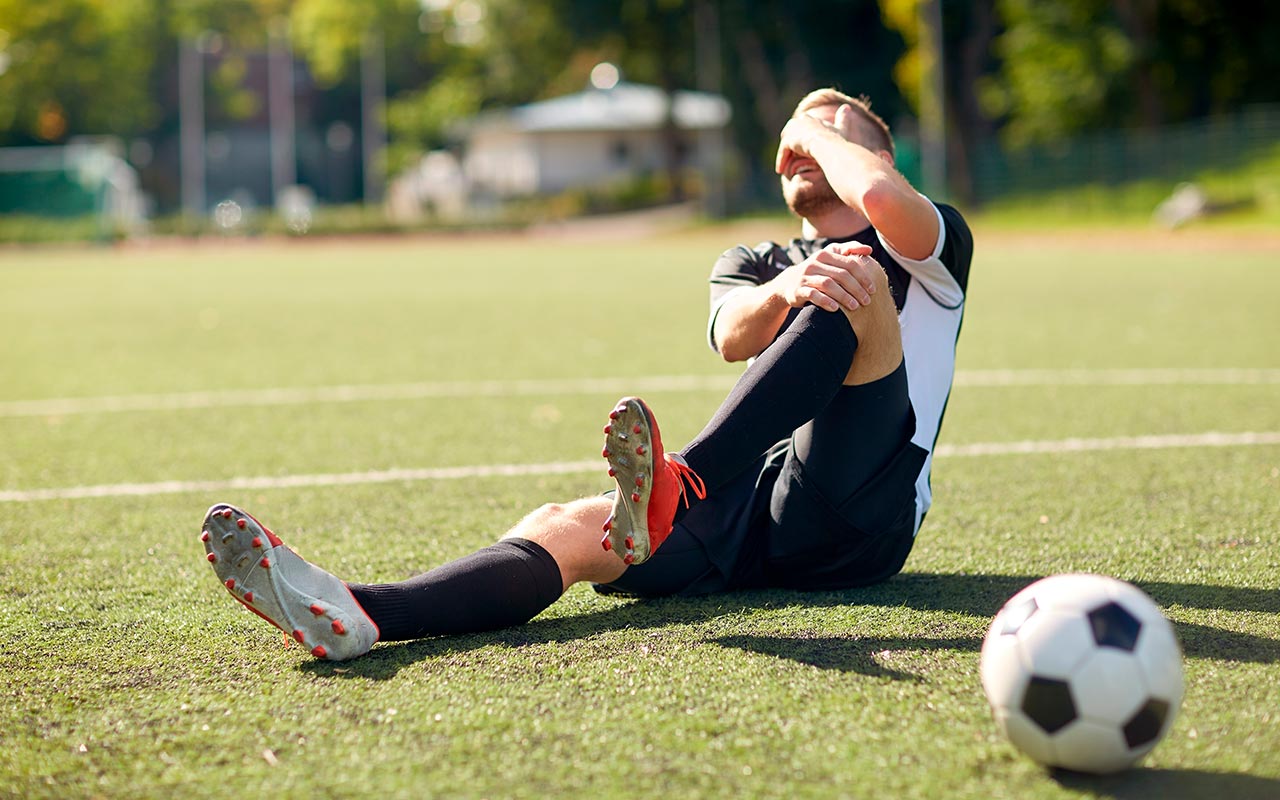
x: 1082, y: 672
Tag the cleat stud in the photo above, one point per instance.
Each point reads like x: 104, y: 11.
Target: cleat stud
x: 297, y: 636
x: 635, y: 497
x: 257, y: 541
x: 231, y: 583
x: 628, y: 559
x: 637, y: 428
x: 248, y: 597
x: 608, y: 525
x: 608, y: 429
x: 317, y: 609
x: 613, y: 414
x: 212, y: 557
x: 606, y: 544
x: 605, y: 452
x: 339, y: 628
x: 640, y: 450
x: 265, y: 563
x: 226, y: 513
x: 631, y: 543
x: 318, y: 651
x: 612, y: 472
x: 240, y: 523
x: 204, y: 536
x: 640, y: 479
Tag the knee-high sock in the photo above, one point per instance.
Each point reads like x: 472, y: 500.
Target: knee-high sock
x: 786, y: 387
x: 505, y: 584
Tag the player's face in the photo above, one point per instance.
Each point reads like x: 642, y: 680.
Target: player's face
x: 804, y: 186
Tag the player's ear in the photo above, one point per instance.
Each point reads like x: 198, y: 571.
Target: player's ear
x: 887, y: 156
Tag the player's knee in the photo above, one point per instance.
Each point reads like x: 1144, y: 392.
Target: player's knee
x: 539, y: 523
x: 881, y: 315
x: 880, y: 279
x: 548, y: 515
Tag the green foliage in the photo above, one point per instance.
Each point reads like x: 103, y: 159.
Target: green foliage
x: 1059, y: 60
x: 76, y: 67
x: 330, y: 35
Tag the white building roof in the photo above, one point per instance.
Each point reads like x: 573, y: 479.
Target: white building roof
x: 627, y: 106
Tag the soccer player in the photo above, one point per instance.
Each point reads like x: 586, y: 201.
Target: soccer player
x: 812, y: 474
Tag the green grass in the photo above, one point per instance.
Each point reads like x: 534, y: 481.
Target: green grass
x: 128, y: 672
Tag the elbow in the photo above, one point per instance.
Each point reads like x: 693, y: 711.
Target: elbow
x: 879, y: 200
x: 732, y: 351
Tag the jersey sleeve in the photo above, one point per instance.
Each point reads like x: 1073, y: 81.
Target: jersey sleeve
x: 945, y: 273
x: 736, y: 270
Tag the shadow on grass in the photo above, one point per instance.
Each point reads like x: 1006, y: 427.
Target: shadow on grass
x: 979, y: 596
x: 1171, y: 784
x: 846, y: 654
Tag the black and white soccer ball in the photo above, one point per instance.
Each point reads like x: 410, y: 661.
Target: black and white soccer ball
x: 1082, y: 672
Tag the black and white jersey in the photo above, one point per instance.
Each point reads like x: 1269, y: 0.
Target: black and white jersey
x: 929, y: 294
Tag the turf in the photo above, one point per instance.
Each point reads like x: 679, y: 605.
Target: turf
x: 128, y: 672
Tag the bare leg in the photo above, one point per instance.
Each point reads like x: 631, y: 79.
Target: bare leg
x: 571, y: 532
x: 879, y: 336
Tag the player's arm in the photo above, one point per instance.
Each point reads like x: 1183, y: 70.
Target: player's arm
x: 866, y: 181
x: 837, y: 277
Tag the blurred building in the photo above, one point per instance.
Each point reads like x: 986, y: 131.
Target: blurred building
x: 594, y: 138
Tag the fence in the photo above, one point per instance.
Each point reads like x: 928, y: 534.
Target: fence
x: 1167, y: 155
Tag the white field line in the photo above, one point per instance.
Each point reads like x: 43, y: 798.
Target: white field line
x: 358, y: 392
x: 658, y: 383
x: 1116, y: 377
x: 1160, y: 442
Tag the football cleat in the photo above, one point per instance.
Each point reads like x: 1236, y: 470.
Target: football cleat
x: 310, y: 605
x: 650, y: 483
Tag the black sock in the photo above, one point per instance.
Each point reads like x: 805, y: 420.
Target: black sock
x: 505, y: 584
x: 786, y: 387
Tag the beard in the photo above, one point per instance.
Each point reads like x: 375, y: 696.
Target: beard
x: 812, y: 200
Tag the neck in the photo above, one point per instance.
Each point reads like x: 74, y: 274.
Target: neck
x: 841, y: 223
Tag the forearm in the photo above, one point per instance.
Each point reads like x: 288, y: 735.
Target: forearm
x: 748, y: 321
x: 854, y: 172
x: 872, y: 186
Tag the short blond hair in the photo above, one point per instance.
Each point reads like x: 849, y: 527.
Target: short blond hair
x: 874, y: 128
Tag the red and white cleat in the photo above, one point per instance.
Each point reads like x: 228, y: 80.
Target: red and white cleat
x: 312, y: 606
x: 650, y: 482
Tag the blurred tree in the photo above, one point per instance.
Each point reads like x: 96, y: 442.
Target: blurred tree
x: 1067, y: 66
x: 1061, y: 61
x: 779, y: 50
x: 474, y: 55
x: 968, y: 30
x: 70, y: 67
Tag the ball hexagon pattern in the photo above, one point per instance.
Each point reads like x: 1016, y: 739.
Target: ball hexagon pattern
x: 1082, y: 672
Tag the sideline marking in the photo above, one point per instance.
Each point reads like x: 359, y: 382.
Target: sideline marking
x: 1159, y: 442
x: 358, y: 392
x: 351, y: 393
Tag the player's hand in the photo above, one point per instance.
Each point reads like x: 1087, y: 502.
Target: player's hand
x: 839, y: 276
x: 798, y: 134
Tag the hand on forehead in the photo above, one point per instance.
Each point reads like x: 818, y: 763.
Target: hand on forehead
x: 841, y: 119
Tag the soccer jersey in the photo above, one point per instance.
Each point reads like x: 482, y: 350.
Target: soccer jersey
x: 930, y: 297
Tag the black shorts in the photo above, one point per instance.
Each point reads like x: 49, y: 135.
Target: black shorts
x: 832, y: 507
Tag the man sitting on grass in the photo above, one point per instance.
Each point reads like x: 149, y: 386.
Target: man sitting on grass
x: 812, y: 474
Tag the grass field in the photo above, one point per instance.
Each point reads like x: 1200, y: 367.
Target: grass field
x: 127, y: 671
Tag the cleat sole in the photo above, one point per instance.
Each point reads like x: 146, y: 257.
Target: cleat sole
x: 627, y: 531
x: 284, y: 589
